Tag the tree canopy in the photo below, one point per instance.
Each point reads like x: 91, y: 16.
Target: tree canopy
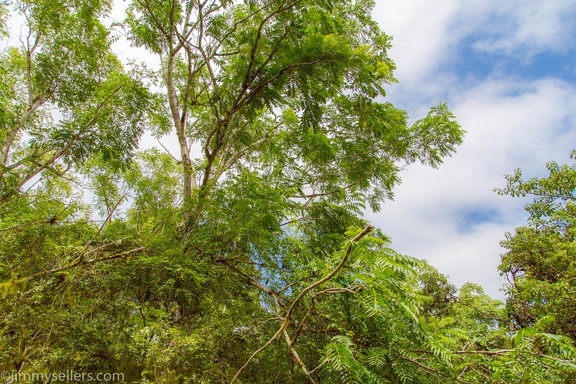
x: 244, y: 257
x: 540, y: 259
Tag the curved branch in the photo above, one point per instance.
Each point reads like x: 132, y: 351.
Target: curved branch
x: 286, y: 319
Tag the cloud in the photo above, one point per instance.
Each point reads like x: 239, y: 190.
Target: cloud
x: 472, y: 257
x: 511, y: 121
x: 529, y: 27
x: 461, y: 52
x: 420, y: 32
x: 431, y: 35
x: 451, y: 216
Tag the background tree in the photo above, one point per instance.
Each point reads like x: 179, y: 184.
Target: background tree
x: 65, y: 95
x: 472, y: 342
x: 540, y: 260
x: 281, y: 133
x: 64, y: 99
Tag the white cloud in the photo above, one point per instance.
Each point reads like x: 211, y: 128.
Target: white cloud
x: 426, y: 34
x: 517, y: 122
x: 528, y: 27
x: 510, y: 124
x: 472, y: 258
x: 420, y: 29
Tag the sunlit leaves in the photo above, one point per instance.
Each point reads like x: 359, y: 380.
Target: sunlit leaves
x: 437, y: 134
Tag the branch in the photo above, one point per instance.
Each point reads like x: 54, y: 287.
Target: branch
x: 167, y: 151
x: 270, y: 341
x: 78, y: 261
x: 431, y: 370
x: 296, y: 357
x: 351, y: 289
x: 104, y: 223
x: 332, y: 273
x: 286, y: 319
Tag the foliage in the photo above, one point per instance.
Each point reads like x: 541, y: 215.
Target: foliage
x: 287, y: 90
x: 540, y: 258
x: 477, y: 345
x: 65, y: 96
x: 244, y: 257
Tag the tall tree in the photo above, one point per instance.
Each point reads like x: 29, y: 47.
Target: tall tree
x: 283, y: 135
x: 259, y: 264
x: 287, y: 90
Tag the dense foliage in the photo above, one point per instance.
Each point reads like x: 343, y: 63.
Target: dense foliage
x: 244, y: 257
x: 541, y: 261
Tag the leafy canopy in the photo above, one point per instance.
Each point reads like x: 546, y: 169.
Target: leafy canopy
x: 243, y: 257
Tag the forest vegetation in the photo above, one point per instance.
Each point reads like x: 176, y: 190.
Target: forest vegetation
x: 245, y: 258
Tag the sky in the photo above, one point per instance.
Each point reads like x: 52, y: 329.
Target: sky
x: 507, y: 70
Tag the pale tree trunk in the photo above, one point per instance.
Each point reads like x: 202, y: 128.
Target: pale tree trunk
x: 13, y: 134
x: 33, y: 104
x: 5, y: 150
x: 180, y: 125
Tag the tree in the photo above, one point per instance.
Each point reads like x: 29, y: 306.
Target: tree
x: 438, y: 294
x: 64, y: 99
x: 259, y: 265
x: 540, y: 259
x: 286, y: 90
x: 65, y: 96
x: 472, y: 342
x: 282, y: 136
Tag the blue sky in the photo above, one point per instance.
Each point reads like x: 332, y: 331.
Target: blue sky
x: 508, y: 72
